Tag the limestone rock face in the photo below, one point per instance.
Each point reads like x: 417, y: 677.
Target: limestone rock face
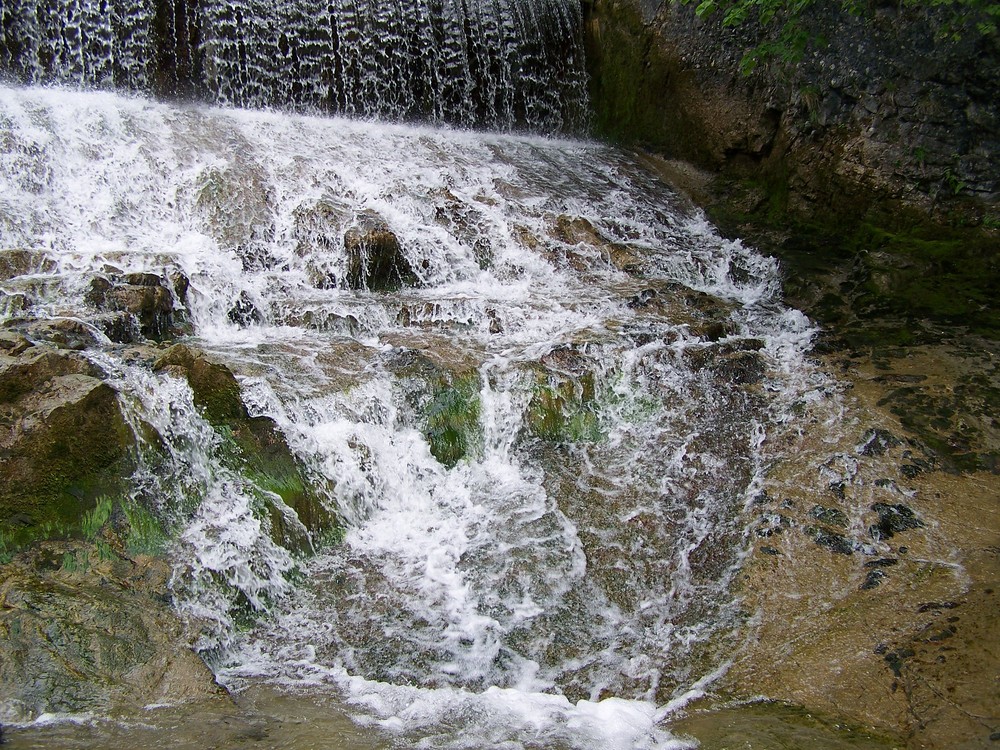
x: 63, y: 437
x: 82, y: 633
x: 882, y: 108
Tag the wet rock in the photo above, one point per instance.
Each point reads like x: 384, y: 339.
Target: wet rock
x: 893, y: 519
x: 148, y: 297
x: 151, y: 305
x: 63, y: 437
x: 317, y: 231
x: 741, y: 368
x: 33, y: 366
x: 579, y: 231
x: 451, y: 419
x: 831, y: 540
x: 14, y: 304
x: 375, y: 259
x: 829, y: 516
x: 727, y: 363
x: 244, y: 312
x: 877, y: 441
x: 771, y: 524
x: 13, y: 343
x: 466, y: 222
x: 19, y: 262
x: 121, y: 327
x: 64, y: 333
x: 562, y: 407
x: 215, y: 388
x: 444, y: 399
x: 236, y: 203
x: 83, y: 632
x: 643, y: 299
x: 256, y: 447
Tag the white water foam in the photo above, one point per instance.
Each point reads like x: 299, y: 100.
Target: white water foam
x: 555, y: 585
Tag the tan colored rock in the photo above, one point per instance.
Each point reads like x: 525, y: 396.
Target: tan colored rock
x: 79, y: 632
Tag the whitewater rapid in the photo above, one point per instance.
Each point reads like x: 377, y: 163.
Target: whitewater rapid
x: 553, y: 586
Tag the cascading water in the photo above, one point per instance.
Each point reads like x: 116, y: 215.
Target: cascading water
x: 502, y: 65
x: 542, y: 443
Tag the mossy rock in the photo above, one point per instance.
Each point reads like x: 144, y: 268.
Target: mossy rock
x: 451, y: 419
x: 253, y: 446
x: 67, y: 442
x: 215, y: 388
x: 264, y: 457
x: 89, y: 631
x: 563, y: 405
x: 443, y: 396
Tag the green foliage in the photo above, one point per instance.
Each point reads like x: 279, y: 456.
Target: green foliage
x: 792, y: 39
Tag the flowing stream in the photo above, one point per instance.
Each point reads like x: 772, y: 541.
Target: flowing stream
x: 542, y: 433
x: 610, y: 367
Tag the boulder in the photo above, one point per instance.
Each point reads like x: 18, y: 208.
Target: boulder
x: 63, y: 439
x: 85, y: 631
x: 375, y: 260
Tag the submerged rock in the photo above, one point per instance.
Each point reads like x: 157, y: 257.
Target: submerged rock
x: 255, y: 446
x: 563, y: 405
x: 444, y: 397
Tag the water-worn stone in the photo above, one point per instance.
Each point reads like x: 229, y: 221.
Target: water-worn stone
x: 148, y: 297
x: 215, y: 388
x: 257, y: 448
x: 84, y: 632
x: 63, y: 438
x: 19, y: 262
x: 375, y: 260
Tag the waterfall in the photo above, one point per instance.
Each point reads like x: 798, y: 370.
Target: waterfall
x: 496, y: 64
x: 542, y: 428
